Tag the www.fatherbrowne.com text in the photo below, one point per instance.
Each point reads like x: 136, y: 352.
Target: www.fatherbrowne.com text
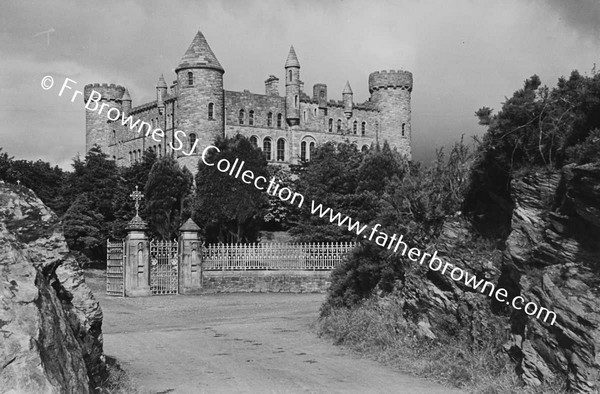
x: 272, y: 187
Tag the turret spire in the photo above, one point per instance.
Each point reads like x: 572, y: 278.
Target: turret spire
x: 292, y: 59
x: 347, y: 88
x: 199, y: 55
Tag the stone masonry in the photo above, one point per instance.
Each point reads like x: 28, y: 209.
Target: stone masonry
x: 286, y: 127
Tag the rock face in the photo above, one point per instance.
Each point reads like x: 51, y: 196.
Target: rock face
x: 49, y: 320
x: 551, y: 258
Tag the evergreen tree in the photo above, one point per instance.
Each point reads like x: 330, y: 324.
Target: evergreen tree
x: 84, y: 228
x: 165, y: 191
x: 228, y: 209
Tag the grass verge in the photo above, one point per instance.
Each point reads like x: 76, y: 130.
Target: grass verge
x: 380, y: 334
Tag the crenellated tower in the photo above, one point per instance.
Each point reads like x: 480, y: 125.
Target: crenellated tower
x: 201, y: 101
x: 292, y: 88
x: 97, y: 130
x: 390, y: 92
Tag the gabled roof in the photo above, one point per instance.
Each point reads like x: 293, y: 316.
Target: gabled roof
x: 199, y: 55
x: 292, y: 59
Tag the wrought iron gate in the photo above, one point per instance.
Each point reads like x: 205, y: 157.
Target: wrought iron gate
x: 164, y: 267
x: 115, y: 272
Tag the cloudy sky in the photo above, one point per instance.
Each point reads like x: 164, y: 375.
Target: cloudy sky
x: 463, y: 55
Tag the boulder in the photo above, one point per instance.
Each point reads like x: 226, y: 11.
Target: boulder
x: 50, y: 322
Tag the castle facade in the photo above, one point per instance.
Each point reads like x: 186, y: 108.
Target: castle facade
x: 287, y: 128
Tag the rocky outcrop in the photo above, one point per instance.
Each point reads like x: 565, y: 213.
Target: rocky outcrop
x: 49, y: 320
x: 551, y: 258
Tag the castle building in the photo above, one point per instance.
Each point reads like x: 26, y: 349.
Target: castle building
x: 287, y: 128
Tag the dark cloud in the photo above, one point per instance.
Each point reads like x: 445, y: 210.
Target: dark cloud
x: 582, y: 15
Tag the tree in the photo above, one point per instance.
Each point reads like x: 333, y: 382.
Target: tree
x: 228, y: 209
x: 5, y: 164
x: 165, y: 191
x: 84, y: 228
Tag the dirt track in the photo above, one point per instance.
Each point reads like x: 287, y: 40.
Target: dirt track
x: 237, y: 343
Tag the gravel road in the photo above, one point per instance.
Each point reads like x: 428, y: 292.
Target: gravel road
x: 237, y: 343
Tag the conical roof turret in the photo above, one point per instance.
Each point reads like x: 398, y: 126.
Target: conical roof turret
x: 126, y: 96
x: 347, y: 88
x: 199, y: 55
x: 292, y: 59
x: 161, y: 82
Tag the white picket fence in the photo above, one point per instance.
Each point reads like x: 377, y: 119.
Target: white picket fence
x: 275, y: 256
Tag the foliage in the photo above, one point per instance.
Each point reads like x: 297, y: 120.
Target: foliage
x: 280, y: 214
x: 84, y: 227
x: 228, y: 209
x: 165, y: 190
x: 538, y: 127
x: 414, y: 205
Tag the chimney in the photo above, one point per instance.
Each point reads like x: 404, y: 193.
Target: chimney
x: 272, y: 86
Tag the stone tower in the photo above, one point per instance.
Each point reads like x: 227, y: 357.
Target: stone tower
x: 390, y: 92
x: 97, y: 131
x: 292, y: 88
x: 201, y: 102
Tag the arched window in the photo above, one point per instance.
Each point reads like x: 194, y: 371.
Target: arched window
x: 365, y: 148
x: 270, y: 119
x: 303, y: 150
x: 159, y: 151
x: 254, y: 141
x: 339, y: 125
x: 190, y: 78
x: 304, y: 116
x: 290, y: 73
x: 267, y: 148
x: 279, y: 120
x: 251, y: 118
x: 192, y: 140
x: 241, y: 117
x: 363, y: 128
x: 354, y: 126
x: 130, y: 158
x: 315, y: 112
x: 402, y: 129
x: 311, y: 150
x: 281, y: 149
x: 330, y: 125
x: 139, y: 154
x: 296, y: 101
x: 211, y: 111
x: 115, y: 158
x: 114, y: 136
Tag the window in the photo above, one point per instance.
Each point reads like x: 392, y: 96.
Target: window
x: 190, y: 78
x: 354, y: 126
x: 365, y: 148
x: 402, y: 129
x: 281, y: 149
x: 211, y: 111
x: 251, y: 118
x: 330, y: 125
x: 339, y: 125
x: 315, y: 112
x: 304, y: 115
x: 159, y: 151
x: 303, y: 150
x: 114, y: 136
x: 192, y: 140
x: 267, y: 148
x: 296, y: 101
x: 254, y: 141
x: 363, y: 128
x: 279, y: 120
x: 241, y: 117
x: 139, y: 154
x: 270, y: 119
x: 312, y: 149
x: 115, y: 158
x: 130, y: 161
x: 290, y: 75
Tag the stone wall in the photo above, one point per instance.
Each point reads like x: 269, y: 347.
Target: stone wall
x: 265, y: 281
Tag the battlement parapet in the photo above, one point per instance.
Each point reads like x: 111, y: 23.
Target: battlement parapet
x: 109, y: 92
x: 396, y: 79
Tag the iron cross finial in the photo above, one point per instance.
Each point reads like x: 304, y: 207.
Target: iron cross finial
x: 137, y: 197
